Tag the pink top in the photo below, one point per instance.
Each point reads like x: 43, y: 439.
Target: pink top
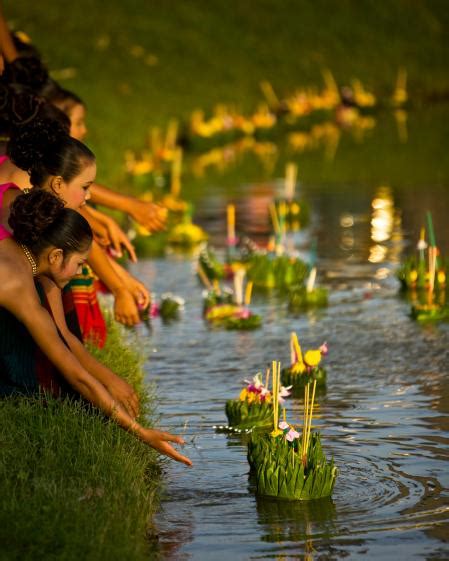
x: 4, y: 233
x: 3, y: 159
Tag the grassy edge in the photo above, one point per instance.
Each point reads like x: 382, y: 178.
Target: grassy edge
x: 73, y: 484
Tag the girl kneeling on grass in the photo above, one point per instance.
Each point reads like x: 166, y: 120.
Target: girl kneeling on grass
x: 52, y: 242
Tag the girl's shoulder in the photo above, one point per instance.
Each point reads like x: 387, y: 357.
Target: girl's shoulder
x: 8, y: 192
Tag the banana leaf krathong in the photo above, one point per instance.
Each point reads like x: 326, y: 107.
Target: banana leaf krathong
x: 229, y: 309
x: 214, y: 297
x: 270, y: 271
x: 281, y: 472
x: 290, y: 377
x: 245, y: 415
x: 254, y: 406
x: 301, y: 299
x: 232, y: 316
x: 427, y: 268
x: 305, y: 367
x: 213, y: 269
x: 413, y: 274
x: 170, y: 307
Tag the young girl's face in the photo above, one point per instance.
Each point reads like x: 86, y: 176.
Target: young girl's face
x: 77, y: 117
x: 76, y: 192
x: 63, y: 270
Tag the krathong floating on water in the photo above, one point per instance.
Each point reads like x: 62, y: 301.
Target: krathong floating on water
x: 304, y: 297
x: 254, y: 406
x: 304, y: 368
x: 424, y: 278
x: 168, y: 307
x: 226, y: 308
x: 288, y: 463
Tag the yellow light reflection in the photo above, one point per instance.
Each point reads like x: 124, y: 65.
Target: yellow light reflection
x: 385, y: 227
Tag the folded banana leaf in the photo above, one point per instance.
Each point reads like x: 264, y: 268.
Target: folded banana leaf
x: 279, y: 471
x: 299, y: 299
x: 244, y: 415
x: 271, y: 271
x: 169, y: 308
x: 298, y: 381
x: 211, y: 266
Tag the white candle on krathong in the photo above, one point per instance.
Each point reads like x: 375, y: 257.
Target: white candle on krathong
x: 311, y: 280
x: 238, y: 286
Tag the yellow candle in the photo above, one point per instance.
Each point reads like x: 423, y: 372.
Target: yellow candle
x: 248, y: 292
x: 176, y: 174
x: 231, y: 223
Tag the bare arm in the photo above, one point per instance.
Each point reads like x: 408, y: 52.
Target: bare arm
x: 139, y: 290
x: 125, y: 308
x: 7, y: 47
x: 29, y: 311
x: 117, y: 387
x: 116, y: 235
x: 146, y: 213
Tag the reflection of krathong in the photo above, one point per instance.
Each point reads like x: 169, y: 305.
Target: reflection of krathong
x: 304, y: 368
x: 289, y: 212
x: 289, y: 463
x: 424, y: 277
x: 254, y: 406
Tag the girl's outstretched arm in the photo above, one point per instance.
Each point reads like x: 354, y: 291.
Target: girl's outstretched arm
x: 38, y: 322
x: 146, y: 213
x: 125, y: 307
x: 117, y: 387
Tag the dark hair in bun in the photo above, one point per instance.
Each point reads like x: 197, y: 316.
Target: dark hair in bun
x: 39, y: 220
x: 19, y: 106
x: 28, y: 71
x: 44, y: 149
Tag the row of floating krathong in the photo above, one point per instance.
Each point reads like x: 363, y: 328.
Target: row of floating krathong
x: 423, y: 277
x: 272, y: 267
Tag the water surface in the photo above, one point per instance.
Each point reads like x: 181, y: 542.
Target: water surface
x: 385, y: 414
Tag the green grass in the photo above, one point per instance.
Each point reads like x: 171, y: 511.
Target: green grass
x: 73, y: 484
x: 137, y: 63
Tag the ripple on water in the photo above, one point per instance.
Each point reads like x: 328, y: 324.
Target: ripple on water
x: 383, y: 416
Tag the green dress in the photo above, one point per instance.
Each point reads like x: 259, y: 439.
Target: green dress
x: 24, y: 368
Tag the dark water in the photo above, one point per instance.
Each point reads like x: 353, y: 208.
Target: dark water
x: 384, y: 416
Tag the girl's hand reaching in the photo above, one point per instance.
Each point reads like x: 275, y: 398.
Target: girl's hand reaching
x: 149, y: 215
x: 160, y: 441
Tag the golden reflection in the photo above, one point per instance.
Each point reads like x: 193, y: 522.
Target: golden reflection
x: 386, y: 232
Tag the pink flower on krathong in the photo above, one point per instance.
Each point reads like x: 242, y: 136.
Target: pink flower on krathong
x: 154, y: 310
x: 283, y: 425
x: 256, y: 385
x: 324, y: 349
x: 243, y: 313
x: 285, y: 392
x: 292, y: 435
